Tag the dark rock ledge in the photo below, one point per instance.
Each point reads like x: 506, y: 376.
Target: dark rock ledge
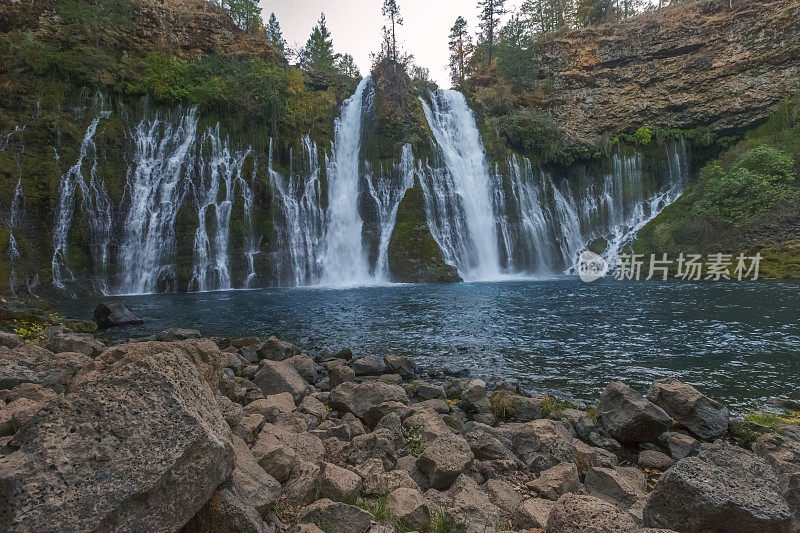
x: 185, y: 433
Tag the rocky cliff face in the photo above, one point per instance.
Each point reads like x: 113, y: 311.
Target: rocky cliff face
x: 698, y: 64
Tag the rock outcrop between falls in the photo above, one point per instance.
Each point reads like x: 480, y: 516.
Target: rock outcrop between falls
x: 194, y: 434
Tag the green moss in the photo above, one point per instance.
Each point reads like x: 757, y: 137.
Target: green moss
x: 414, y: 256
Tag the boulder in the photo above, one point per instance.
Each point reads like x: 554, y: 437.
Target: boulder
x: 473, y: 398
x: 680, y: 445
x: 113, y: 314
x: 556, y: 481
x: 502, y: 494
x: 275, y: 349
x: 466, y: 505
x: 629, y: 417
x: 305, y: 445
x: 271, y: 406
x: 275, y: 377
x: 409, y: 508
x: 655, y: 460
x: 444, y: 459
x: 703, y: 417
x: 533, y: 513
x: 278, y: 461
x: 30, y: 363
x: 251, y: 481
x: 540, y: 444
x: 574, y: 513
x: 177, y: 334
x: 724, y: 488
x: 622, y: 486
x: 84, y: 343
x: 397, y: 364
x: 378, y: 482
x: 227, y: 511
x: 429, y: 391
x: 358, y: 398
x: 136, y: 444
x: 312, y: 406
x: 339, y: 373
x: 336, y: 517
x: 337, y: 483
x: 368, y: 366
x: 305, y: 366
x: 10, y: 340
x: 783, y: 454
x: 303, y: 484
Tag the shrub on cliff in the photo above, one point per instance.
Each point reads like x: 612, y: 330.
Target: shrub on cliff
x: 531, y: 131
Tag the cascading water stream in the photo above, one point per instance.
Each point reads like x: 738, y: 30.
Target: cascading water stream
x: 303, y: 225
x: 221, y: 169
x: 155, y: 189
x: 345, y: 262
x: 387, y: 195
x: 459, y: 197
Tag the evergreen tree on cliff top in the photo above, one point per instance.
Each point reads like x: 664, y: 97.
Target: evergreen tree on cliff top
x: 275, y: 35
x: 392, y: 13
x: 489, y: 16
x: 318, y: 55
x: 460, y: 44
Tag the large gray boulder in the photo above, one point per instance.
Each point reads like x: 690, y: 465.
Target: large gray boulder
x: 629, y: 417
x: 227, y: 511
x: 724, y: 488
x: 277, y: 350
x: 275, y: 377
x: 58, y: 339
x: 574, y: 513
x: 444, y: 459
x: 336, y: 517
x: 113, y: 314
x: 251, y: 481
x: 358, y: 398
x: 783, y: 453
x: 702, y: 416
x: 137, y: 444
x: 33, y: 364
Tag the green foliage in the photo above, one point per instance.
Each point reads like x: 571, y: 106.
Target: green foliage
x: 377, y: 507
x: 516, y: 54
x: 318, y: 54
x: 440, y: 522
x: 414, y: 441
x: 246, y: 14
x: 275, y: 35
x: 745, y: 432
x: 531, y: 131
x: 554, y: 408
x: 643, y: 136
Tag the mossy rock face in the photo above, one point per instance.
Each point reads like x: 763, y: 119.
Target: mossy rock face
x: 414, y: 255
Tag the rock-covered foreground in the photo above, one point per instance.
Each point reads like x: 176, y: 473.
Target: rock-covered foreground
x: 176, y: 433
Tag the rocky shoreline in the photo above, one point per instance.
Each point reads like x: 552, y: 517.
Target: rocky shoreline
x: 180, y: 432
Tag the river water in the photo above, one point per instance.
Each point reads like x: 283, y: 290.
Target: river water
x: 738, y: 342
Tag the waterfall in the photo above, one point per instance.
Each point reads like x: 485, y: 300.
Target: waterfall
x: 94, y: 200
x: 155, y: 191
x: 220, y: 175
x: 252, y: 244
x: 387, y: 194
x: 459, y: 197
x: 13, y: 219
x: 345, y: 261
x: 301, y: 230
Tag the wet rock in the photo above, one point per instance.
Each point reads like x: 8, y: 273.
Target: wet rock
x: 275, y: 377
x: 574, y: 513
x: 337, y: 483
x: 241, y: 342
x: 138, y: 437
x: 444, y: 459
x: 113, y: 314
x: 397, y: 364
x: 556, y: 481
x: 533, y: 513
x: 725, y: 488
x: 345, y: 518
x: 702, y: 416
x: 408, y: 506
x: 655, y: 460
x: 629, y: 417
x: 344, y: 354
x: 275, y: 349
x: 358, y: 398
x: 368, y: 366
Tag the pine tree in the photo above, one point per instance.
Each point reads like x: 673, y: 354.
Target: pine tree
x: 246, y: 14
x: 347, y: 66
x: 460, y: 43
x: 318, y: 55
x: 392, y: 13
x: 275, y: 36
x: 490, y: 13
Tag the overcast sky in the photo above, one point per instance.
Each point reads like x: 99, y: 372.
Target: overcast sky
x: 356, y: 27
